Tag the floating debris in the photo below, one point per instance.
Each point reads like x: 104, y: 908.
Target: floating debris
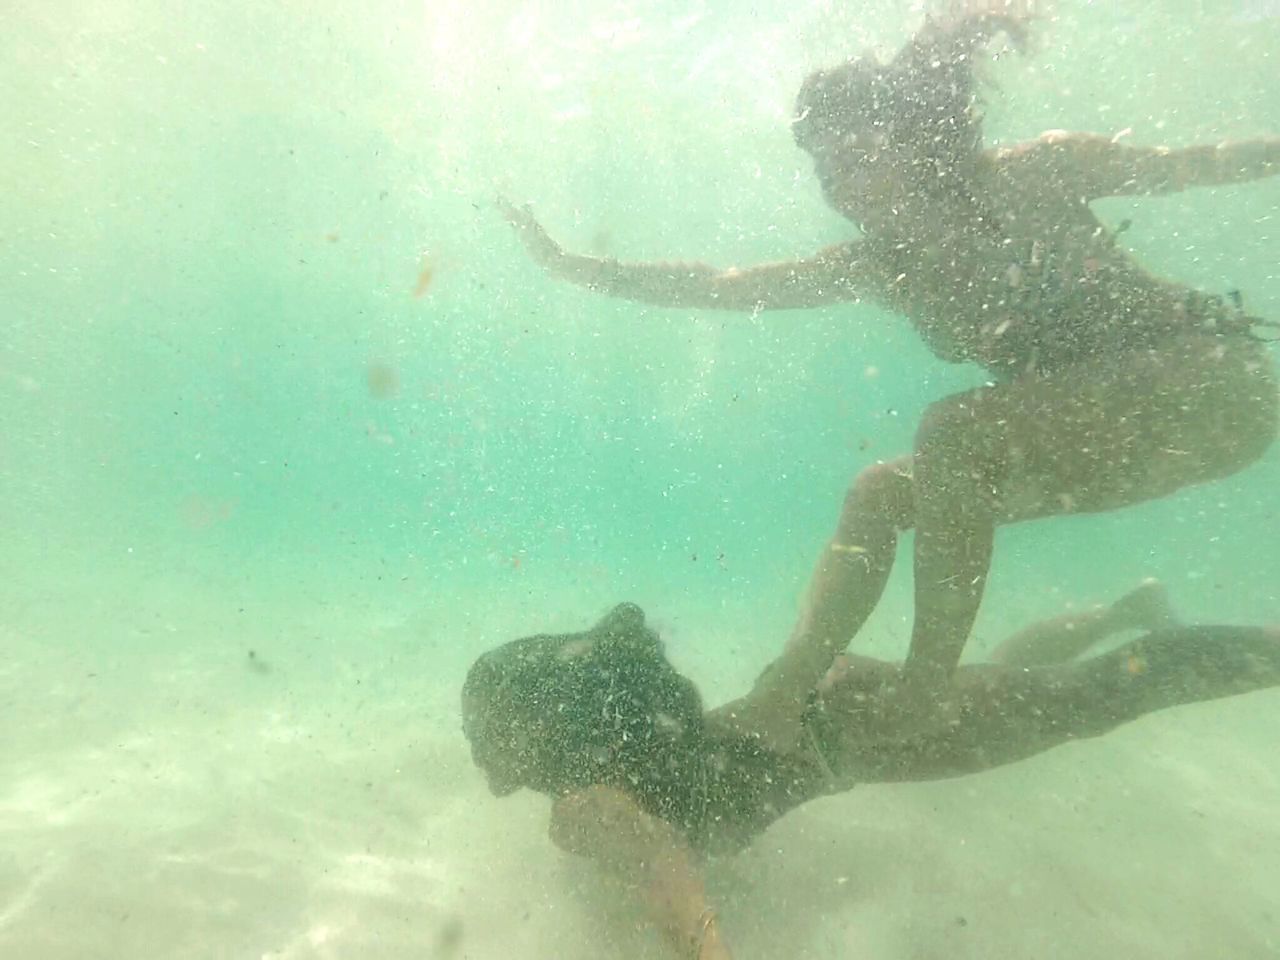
x: 201, y: 513
x: 383, y: 380
x: 426, y: 273
x: 449, y: 939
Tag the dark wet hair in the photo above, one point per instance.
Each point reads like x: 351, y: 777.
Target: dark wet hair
x: 559, y: 711
x: 927, y: 96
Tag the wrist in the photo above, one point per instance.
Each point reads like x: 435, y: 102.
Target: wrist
x: 706, y: 936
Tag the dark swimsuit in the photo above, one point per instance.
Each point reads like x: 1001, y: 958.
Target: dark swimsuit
x: 1044, y: 313
x: 727, y: 792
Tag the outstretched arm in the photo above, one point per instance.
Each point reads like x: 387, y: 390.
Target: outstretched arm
x: 836, y: 274
x: 1097, y: 166
x: 606, y: 825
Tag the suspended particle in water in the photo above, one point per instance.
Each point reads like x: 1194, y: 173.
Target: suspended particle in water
x: 449, y: 939
x: 426, y: 273
x: 201, y: 513
x: 383, y: 380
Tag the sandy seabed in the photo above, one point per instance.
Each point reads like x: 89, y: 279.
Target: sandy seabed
x: 166, y: 794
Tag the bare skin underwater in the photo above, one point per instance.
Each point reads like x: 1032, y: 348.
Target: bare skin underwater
x: 1110, y: 386
x: 646, y: 784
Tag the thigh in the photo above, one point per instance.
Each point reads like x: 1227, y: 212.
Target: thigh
x: 1119, y: 430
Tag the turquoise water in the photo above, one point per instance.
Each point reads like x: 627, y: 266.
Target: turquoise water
x: 229, y: 426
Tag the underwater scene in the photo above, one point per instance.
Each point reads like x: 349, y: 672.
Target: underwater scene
x: 454, y: 458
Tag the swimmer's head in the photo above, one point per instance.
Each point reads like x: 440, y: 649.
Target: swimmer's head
x: 878, y: 132
x: 555, y: 712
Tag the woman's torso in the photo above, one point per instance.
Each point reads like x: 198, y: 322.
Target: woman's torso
x: 1036, y: 285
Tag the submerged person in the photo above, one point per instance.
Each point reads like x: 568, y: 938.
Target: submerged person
x: 1110, y: 386
x: 646, y: 784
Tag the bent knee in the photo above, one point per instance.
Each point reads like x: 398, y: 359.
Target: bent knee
x: 884, y: 486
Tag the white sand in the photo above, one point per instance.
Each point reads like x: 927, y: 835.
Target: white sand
x: 162, y: 797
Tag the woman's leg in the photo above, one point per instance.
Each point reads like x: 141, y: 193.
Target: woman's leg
x: 1125, y: 429
x: 1064, y: 638
x: 847, y: 583
x: 854, y: 566
x: 1101, y: 435
x: 1006, y: 715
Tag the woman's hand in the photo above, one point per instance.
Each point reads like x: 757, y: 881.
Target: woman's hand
x: 608, y: 826
x: 712, y: 946
x: 545, y: 251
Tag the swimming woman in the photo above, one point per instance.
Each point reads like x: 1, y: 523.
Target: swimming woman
x: 646, y: 784
x: 1110, y: 386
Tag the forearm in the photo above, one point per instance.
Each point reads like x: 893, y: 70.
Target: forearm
x: 1163, y: 171
x: 836, y: 274
x: 607, y: 827
x: 694, y: 285
x: 677, y: 901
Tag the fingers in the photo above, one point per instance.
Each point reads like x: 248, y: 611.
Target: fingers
x: 537, y: 241
x: 519, y: 217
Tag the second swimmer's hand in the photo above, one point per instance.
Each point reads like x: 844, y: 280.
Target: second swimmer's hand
x: 545, y: 251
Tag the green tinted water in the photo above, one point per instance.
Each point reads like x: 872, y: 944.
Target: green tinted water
x: 229, y: 424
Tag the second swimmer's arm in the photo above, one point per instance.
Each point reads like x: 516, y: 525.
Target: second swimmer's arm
x: 834, y: 275
x: 607, y: 826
